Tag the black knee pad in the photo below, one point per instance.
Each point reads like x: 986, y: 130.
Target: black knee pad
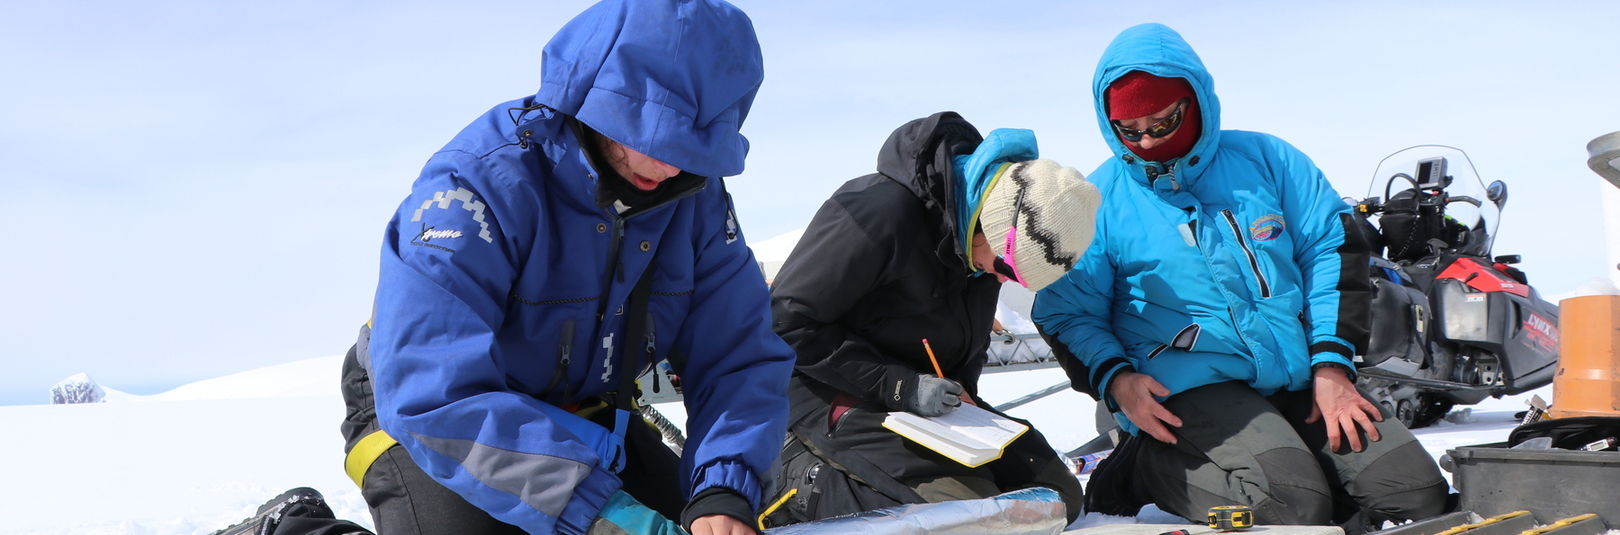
x: 1403, y: 484
x: 1299, y: 493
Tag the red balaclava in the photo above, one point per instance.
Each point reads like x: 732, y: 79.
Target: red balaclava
x: 1139, y: 94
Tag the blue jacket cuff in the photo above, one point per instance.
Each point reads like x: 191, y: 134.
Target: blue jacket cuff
x: 731, y: 475
x: 589, y: 497
x: 1107, y: 380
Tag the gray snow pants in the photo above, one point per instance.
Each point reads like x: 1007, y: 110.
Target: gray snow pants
x: 1237, y: 447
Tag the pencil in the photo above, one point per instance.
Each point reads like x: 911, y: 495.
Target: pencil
x: 931, y: 358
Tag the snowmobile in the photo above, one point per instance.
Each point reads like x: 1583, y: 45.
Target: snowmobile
x: 1451, y: 324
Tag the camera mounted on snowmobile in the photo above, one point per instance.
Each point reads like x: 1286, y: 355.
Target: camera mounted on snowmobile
x: 1431, y: 174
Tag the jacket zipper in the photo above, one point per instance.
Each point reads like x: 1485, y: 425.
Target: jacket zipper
x: 565, y: 351
x: 1254, y: 263
x: 652, y: 342
x: 616, y: 264
x: 613, y: 267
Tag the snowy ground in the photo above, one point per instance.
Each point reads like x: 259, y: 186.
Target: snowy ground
x: 204, y: 456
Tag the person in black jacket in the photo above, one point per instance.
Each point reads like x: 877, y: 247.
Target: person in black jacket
x: 917, y: 250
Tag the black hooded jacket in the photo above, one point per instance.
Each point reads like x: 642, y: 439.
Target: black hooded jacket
x: 880, y: 268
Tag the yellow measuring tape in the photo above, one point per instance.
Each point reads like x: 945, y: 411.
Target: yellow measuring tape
x: 1231, y: 517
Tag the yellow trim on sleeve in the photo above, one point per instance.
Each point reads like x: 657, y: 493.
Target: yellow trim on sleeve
x: 365, y: 452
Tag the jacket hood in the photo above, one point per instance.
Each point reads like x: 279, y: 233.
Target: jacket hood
x: 1160, y: 51
x: 671, y: 79
x: 920, y: 155
x: 980, y: 171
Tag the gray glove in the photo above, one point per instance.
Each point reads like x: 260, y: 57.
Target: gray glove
x: 928, y: 395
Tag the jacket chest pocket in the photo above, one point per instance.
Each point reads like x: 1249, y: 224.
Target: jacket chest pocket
x: 667, y: 309
x: 544, y: 347
x: 918, y: 295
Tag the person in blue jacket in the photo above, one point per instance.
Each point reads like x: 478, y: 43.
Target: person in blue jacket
x: 555, y: 249
x: 1217, y: 311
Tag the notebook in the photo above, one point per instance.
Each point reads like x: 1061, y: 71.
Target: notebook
x: 968, y: 435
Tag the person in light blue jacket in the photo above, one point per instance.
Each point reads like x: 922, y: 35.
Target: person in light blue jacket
x: 1217, y: 312
x: 556, y: 248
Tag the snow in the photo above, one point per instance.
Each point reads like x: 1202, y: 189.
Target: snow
x: 206, y: 455
x: 778, y: 248
x: 309, y: 377
x: 773, y: 252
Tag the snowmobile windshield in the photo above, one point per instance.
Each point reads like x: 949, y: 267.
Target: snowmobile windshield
x: 1445, y: 178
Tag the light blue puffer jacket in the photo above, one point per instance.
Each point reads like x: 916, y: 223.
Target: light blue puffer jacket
x: 1229, y: 263
x: 504, y: 284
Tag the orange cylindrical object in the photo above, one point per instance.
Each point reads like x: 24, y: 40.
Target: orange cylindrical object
x: 1588, y: 379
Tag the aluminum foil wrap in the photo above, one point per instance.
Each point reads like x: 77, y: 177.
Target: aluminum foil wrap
x: 1024, y: 512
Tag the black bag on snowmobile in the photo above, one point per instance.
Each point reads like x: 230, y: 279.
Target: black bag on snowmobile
x: 1409, y: 226
x: 1400, y: 316
x: 1403, y: 230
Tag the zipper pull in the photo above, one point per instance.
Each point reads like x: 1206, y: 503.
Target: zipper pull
x: 566, y: 348
x: 731, y: 214
x: 652, y: 337
x: 607, y: 363
x: 567, y: 344
x: 731, y: 224
x: 1154, y: 172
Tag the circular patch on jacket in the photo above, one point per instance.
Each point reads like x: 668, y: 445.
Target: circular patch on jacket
x: 1267, y: 228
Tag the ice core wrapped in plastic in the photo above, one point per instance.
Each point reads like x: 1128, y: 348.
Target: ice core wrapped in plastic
x: 1023, y: 512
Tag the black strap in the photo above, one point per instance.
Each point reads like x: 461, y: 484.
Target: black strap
x: 638, y: 332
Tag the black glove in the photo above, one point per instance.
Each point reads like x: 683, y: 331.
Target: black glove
x: 927, y: 395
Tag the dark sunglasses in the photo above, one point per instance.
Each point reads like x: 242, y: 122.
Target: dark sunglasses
x: 1157, y: 130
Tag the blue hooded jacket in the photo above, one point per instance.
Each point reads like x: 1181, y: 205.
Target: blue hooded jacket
x: 504, y: 283
x: 1229, y: 263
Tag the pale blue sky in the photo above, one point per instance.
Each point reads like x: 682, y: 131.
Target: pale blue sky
x: 200, y: 188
